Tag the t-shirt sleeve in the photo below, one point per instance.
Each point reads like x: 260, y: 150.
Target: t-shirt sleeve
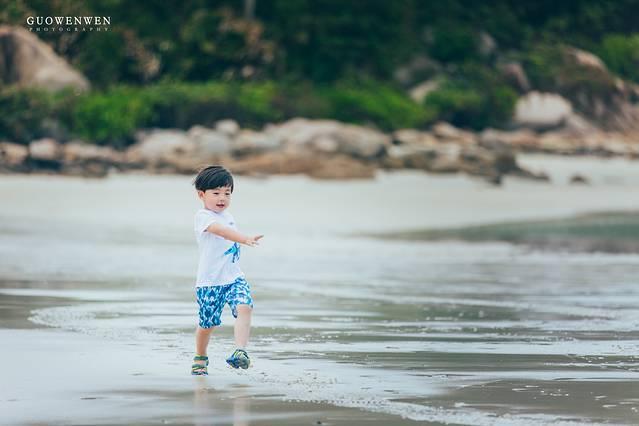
x: 202, y: 221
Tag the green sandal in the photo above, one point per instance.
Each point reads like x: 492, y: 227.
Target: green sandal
x: 200, y: 369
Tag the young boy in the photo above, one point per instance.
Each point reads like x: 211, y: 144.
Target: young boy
x: 220, y: 280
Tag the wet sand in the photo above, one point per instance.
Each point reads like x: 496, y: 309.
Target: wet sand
x: 57, y: 377
x: 96, y: 299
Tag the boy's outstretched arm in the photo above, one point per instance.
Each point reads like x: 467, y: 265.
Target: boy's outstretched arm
x: 232, y: 235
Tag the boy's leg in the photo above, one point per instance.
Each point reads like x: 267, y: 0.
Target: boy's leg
x: 242, y: 327
x: 211, y: 302
x: 241, y: 304
x: 202, y: 337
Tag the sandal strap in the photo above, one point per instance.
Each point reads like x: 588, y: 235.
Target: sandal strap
x: 200, y: 358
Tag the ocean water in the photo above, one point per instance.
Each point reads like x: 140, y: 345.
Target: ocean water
x: 442, y: 332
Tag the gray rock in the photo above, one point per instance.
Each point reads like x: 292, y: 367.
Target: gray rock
x: 228, y: 127
x: 414, y: 137
x: 524, y: 139
x: 160, y: 145
x: 46, y: 149
x: 361, y: 142
x: 78, y: 151
x: 448, y: 132
x: 514, y: 72
x: 251, y: 142
x: 542, y: 110
x: 410, y: 157
x: 326, y: 144
x: 13, y: 156
x: 210, y: 143
x: 29, y: 62
x: 300, y: 134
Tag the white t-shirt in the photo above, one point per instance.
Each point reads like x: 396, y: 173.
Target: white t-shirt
x: 219, y: 258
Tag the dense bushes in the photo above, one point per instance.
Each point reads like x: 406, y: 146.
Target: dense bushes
x: 474, y: 97
x: 112, y: 116
x: 25, y: 113
x: 621, y: 53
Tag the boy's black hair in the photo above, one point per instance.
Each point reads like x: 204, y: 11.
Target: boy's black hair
x: 212, y: 177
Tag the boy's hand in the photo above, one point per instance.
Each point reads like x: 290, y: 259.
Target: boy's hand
x: 253, y: 241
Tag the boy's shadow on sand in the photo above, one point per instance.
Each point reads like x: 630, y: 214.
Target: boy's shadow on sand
x: 214, y: 407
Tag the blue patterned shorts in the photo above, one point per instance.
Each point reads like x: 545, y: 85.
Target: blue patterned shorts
x: 213, y: 298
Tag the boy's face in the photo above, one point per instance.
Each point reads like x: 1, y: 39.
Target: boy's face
x: 216, y: 199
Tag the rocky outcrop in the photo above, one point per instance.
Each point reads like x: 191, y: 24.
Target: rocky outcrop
x: 323, y: 149
x: 515, y: 74
x: 450, y: 150
x: 594, y: 92
x: 565, y: 141
x: 27, y: 61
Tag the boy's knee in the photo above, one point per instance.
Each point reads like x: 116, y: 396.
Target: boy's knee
x: 243, y: 309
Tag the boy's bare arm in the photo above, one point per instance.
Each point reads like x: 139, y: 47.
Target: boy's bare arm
x: 232, y: 235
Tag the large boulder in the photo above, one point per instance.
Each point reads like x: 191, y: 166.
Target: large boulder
x: 542, y: 110
x: 165, y: 151
x: 301, y: 131
x: 209, y: 143
x: 27, y: 61
x: 13, y: 156
x: 229, y: 127
x: 250, y: 142
x: 448, y: 133
x: 46, y: 149
x: 77, y: 151
x: 301, y: 134
x: 361, y: 142
x: 583, y: 79
x: 45, y: 155
x: 160, y: 144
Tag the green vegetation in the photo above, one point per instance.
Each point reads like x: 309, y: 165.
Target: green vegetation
x: 621, y: 53
x: 112, y: 116
x: 474, y: 97
x: 26, y: 113
x: 174, y: 64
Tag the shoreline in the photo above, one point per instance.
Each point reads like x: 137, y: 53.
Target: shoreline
x: 120, y: 382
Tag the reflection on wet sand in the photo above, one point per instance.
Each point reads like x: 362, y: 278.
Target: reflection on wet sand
x: 206, y: 399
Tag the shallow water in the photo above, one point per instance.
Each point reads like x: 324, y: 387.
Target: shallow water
x: 442, y: 332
